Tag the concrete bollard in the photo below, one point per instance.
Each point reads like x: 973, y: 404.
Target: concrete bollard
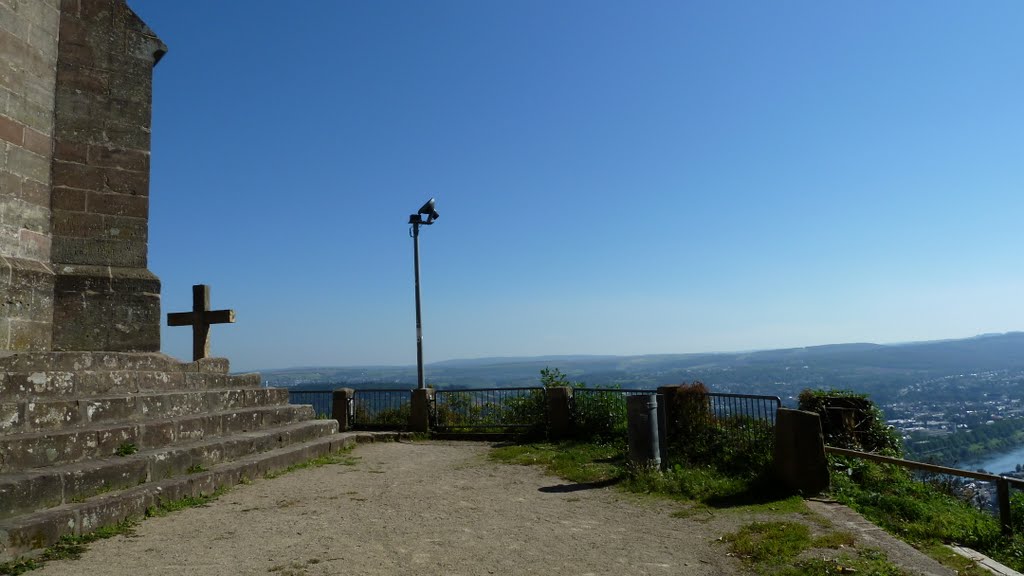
x: 419, y: 412
x: 643, y: 427
x: 342, y: 404
x: 559, y: 412
x: 800, y: 461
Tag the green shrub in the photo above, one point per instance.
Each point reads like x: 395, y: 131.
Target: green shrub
x: 851, y: 420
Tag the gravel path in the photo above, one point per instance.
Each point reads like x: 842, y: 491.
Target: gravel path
x: 414, y: 508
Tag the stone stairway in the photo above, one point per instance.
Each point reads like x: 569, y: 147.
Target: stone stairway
x: 88, y: 439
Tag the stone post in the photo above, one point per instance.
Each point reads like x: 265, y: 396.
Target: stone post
x: 419, y: 414
x: 559, y: 412
x: 341, y: 399
x: 800, y: 462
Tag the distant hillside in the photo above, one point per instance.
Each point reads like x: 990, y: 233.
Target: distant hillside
x: 881, y: 370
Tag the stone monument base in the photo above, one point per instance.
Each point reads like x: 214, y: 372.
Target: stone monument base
x: 88, y: 439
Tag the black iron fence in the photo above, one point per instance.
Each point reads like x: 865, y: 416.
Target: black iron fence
x: 749, y: 406
x: 381, y: 408
x: 321, y: 400
x: 489, y: 410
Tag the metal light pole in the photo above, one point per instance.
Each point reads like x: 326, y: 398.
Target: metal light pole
x: 416, y: 220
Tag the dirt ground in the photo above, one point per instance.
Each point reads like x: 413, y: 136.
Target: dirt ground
x: 420, y: 508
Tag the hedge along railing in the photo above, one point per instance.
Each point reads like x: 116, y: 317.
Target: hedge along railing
x: 601, y: 412
x: 381, y: 408
x: 1002, y: 483
x: 736, y: 431
x: 321, y: 400
x: 489, y: 409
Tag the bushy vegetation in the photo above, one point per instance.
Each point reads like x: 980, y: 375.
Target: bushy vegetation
x: 923, y: 510
x: 851, y: 420
x: 468, y: 412
x: 735, y: 445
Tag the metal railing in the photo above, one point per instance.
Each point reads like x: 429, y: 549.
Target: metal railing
x: 752, y: 406
x: 322, y: 400
x: 489, y: 409
x: 381, y: 408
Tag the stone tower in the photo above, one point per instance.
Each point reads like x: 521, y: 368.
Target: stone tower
x: 95, y: 424
x: 74, y: 184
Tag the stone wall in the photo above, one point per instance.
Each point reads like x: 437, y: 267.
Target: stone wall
x: 75, y: 102
x: 105, y: 297
x: 28, y: 44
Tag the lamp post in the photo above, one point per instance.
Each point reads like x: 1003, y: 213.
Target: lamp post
x: 425, y: 216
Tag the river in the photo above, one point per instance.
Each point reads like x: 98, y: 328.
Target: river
x: 997, y: 463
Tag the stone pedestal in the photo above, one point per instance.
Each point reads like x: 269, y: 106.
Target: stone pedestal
x: 341, y: 401
x: 419, y: 414
x: 800, y: 462
x: 559, y: 412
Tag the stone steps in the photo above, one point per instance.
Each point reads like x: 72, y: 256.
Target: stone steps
x: 36, y: 415
x: 22, y: 534
x: 26, y: 385
x: 38, y: 488
x: 89, y: 438
x: 36, y: 449
x: 107, y: 362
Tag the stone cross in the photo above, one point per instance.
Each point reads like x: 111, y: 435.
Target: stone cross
x: 200, y: 319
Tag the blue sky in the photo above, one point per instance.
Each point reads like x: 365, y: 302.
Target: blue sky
x: 612, y: 177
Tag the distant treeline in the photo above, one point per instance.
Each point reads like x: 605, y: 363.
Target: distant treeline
x: 964, y: 446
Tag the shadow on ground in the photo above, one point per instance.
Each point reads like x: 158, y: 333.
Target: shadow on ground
x: 565, y: 488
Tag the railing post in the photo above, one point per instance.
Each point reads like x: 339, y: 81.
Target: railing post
x: 419, y: 411
x: 800, y: 461
x: 668, y: 395
x: 559, y: 412
x: 340, y: 399
x: 1003, y: 495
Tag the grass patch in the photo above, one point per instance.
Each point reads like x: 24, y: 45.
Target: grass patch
x: 342, y: 458
x: 770, y: 543
x: 775, y: 548
x: 576, y: 462
x: 165, y: 508
x: 923, y: 513
x: 195, y: 469
x: 126, y: 449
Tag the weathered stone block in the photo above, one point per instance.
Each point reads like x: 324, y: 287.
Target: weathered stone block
x: 158, y: 434
x: 241, y: 421
x: 10, y: 415
x: 95, y: 478
x: 26, y: 385
x: 197, y: 428
x: 22, y: 453
x: 212, y: 365
x: 153, y: 380
x: 25, y: 492
x: 108, y: 409
x: 51, y: 414
x: 169, y: 463
x: 111, y: 509
x: 104, y: 382
x: 41, y: 530
x: 124, y: 317
x: 109, y: 440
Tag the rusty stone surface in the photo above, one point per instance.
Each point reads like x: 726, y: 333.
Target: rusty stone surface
x: 105, y: 298
x: 28, y: 42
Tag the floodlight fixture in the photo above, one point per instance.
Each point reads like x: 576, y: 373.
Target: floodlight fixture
x: 426, y: 210
x: 416, y: 219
